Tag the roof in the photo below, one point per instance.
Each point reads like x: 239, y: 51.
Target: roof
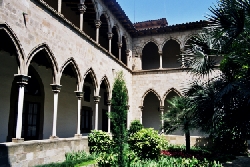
x: 149, y: 27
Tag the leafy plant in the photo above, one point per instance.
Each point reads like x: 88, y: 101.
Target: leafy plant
x: 99, y: 142
x: 135, y: 126
x: 146, y: 143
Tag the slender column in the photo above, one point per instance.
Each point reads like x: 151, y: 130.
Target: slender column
x: 109, y: 109
x: 96, y: 100
x: 22, y: 80
x: 79, y: 96
x: 98, y: 24
x: 110, y: 35
x: 59, y: 6
x: 127, y: 55
x: 56, y: 89
x: 162, y: 113
x: 120, y: 49
x: 82, y: 8
x: 141, y: 107
x: 160, y: 53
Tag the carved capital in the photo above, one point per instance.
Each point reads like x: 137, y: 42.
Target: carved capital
x: 21, y: 80
x: 127, y: 52
x: 160, y: 52
x: 119, y: 45
x: 82, y: 8
x: 56, y: 88
x: 110, y: 35
x: 108, y: 102
x: 79, y: 94
x: 97, y: 99
x: 98, y: 23
x: 141, y: 107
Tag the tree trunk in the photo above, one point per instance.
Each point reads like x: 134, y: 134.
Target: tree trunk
x: 187, y: 135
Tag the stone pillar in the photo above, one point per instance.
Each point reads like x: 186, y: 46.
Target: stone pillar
x: 96, y: 100
x: 59, y: 6
x: 109, y: 109
x: 79, y: 96
x: 98, y: 24
x: 162, y: 113
x: 21, y: 80
x: 127, y: 56
x: 160, y: 53
x: 82, y: 8
x: 120, y: 50
x: 141, y: 107
x: 56, y: 89
x: 110, y: 35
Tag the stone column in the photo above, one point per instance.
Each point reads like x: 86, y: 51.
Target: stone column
x: 56, y: 89
x: 98, y: 24
x: 109, y: 109
x: 141, y: 107
x: 59, y: 6
x: 160, y: 53
x: 82, y: 8
x: 120, y: 50
x: 162, y: 113
x: 79, y: 96
x: 110, y: 35
x: 96, y: 100
x: 21, y: 80
x: 127, y: 56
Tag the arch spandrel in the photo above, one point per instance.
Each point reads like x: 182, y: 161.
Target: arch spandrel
x: 147, y: 92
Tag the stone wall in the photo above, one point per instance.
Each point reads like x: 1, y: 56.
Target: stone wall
x: 31, y: 153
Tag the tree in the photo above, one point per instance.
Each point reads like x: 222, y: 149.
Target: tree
x: 180, y: 115
x: 118, y: 117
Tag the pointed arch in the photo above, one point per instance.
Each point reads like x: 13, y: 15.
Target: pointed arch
x: 93, y: 77
x: 105, y: 14
x: 147, y: 92
x: 106, y: 81
x: 151, y: 40
x: 50, y: 54
x: 71, y: 61
x: 169, y: 91
x: 188, y: 37
x: 19, y: 50
x: 171, y: 38
x: 118, y: 31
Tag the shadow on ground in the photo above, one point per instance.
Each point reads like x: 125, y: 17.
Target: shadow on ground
x: 240, y: 161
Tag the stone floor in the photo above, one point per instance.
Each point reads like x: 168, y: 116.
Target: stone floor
x: 240, y: 161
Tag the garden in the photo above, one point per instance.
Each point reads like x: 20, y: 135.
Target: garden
x: 218, y: 106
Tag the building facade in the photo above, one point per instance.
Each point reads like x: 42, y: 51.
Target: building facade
x: 58, y: 61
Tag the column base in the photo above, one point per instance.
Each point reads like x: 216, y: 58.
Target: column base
x: 78, y: 135
x: 17, y: 140
x: 53, y: 137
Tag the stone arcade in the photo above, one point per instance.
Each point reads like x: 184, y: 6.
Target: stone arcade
x: 58, y: 60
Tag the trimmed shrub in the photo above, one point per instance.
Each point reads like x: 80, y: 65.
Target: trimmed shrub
x: 147, y: 143
x: 99, y: 142
x: 135, y: 126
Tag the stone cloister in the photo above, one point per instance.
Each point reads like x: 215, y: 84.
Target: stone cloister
x: 58, y: 61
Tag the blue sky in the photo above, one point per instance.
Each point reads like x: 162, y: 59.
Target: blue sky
x: 175, y: 11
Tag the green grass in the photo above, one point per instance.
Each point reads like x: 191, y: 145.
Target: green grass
x: 91, y: 162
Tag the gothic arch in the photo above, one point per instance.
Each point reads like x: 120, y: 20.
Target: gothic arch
x: 151, y: 40
x: 93, y: 77
x: 51, y: 56
x: 20, y: 52
x: 107, y: 19
x: 118, y: 31
x: 106, y: 81
x: 74, y: 64
x: 171, y: 90
x: 153, y: 91
x: 188, y: 37
x: 172, y: 38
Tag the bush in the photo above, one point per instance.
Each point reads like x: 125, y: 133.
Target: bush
x: 135, y: 126
x: 79, y: 156
x: 147, y: 143
x: 99, y: 142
